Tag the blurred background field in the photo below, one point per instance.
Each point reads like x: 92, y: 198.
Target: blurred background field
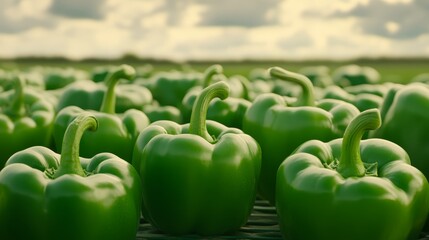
x: 398, y: 70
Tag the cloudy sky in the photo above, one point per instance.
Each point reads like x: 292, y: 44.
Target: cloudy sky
x: 214, y: 29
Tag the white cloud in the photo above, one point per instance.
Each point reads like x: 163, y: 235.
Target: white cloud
x: 298, y: 40
x: 295, y: 9
x: 134, y: 14
x: 209, y: 13
x: 24, y: 8
x: 239, y: 13
x: 156, y: 20
x: 20, y: 15
x: 392, y: 27
x: 93, y: 9
x: 397, y: 1
x: 192, y: 15
x: 175, y: 11
x: 376, y: 18
x: 75, y: 39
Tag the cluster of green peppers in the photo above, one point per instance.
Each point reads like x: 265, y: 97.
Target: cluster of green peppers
x: 190, y: 153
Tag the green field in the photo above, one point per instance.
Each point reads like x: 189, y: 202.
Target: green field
x: 393, y: 70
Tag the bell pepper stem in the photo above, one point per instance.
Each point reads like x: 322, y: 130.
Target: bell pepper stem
x: 245, y: 83
x: 351, y: 164
x: 70, y: 161
x: 210, y: 72
x: 303, y: 81
x: 109, y: 100
x: 197, y: 125
x: 17, y: 108
x: 246, y: 86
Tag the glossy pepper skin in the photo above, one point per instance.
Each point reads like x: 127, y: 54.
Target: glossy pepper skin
x: 318, y: 75
x: 175, y: 84
x: 280, y: 128
x: 32, y: 79
x: 405, y: 122
x: 155, y: 113
x: 197, y: 178
x: 350, y: 75
x: 25, y: 120
x: 188, y: 99
x: 230, y: 111
x: 375, y: 89
x: 89, y: 95
x: 351, y: 189
x: 239, y: 85
x: 50, y: 196
x: 57, y: 78
x: 363, y: 101
x: 116, y: 133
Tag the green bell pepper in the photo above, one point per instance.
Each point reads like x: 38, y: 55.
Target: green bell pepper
x: 56, y: 78
x: 117, y: 132
x: 280, y: 128
x: 25, y: 120
x: 89, y: 95
x: 174, y: 83
x: 145, y: 70
x: 32, y: 79
x: 258, y: 87
x: 229, y: 112
x: 260, y: 82
x: 45, y: 195
x: 258, y: 74
x: 155, y: 113
x: 405, y: 114
x: 130, y: 96
x: 189, y: 98
x: 197, y: 178
x: 351, y: 189
x: 99, y: 74
x: 375, y: 89
x: 318, y: 75
x: 350, y: 75
x: 363, y: 101
x: 285, y: 88
x: 423, y: 78
x: 239, y: 85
